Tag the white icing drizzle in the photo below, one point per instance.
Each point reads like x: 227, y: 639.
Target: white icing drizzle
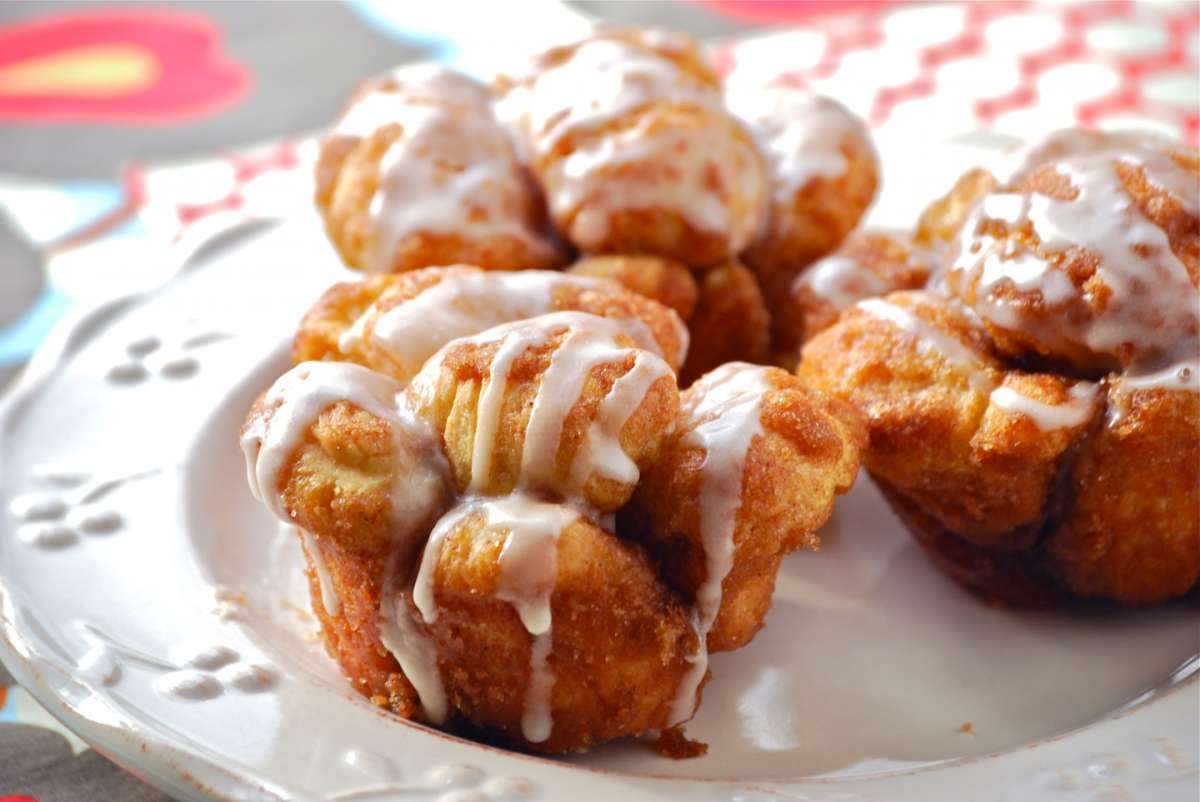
x: 537, y: 720
x: 801, y: 134
x: 451, y: 170
x: 418, y: 491
x: 928, y: 337
x: 293, y: 404
x: 561, y: 384
x: 601, y: 453
x: 424, y: 485
x: 590, y: 174
x: 1183, y: 375
x: 1153, y: 305
x: 590, y: 340
x: 603, y: 80
x: 841, y: 280
x: 329, y: 598
x: 528, y: 572
x: 1077, y: 410
x: 650, y: 166
x: 465, y: 302
x: 418, y: 83
x: 422, y: 594
x: 491, y: 400
x: 353, y: 336
x: 1070, y: 142
x: 1006, y: 206
x: 468, y: 301
x: 413, y: 650
x: 1027, y: 272
x: 527, y: 562
x: 728, y: 404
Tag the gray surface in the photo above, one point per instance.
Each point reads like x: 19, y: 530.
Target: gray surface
x: 305, y: 59
x: 691, y: 17
x: 21, y: 275
x: 39, y: 763
x: 21, y: 280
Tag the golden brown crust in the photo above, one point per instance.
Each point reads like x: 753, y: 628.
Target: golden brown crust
x: 1002, y: 577
x: 337, y: 482
x: 351, y: 634
x: 809, y: 224
x: 932, y: 424
x: 320, y: 335
x: 621, y: 640
x: 869, y: 263
x: 449, y: 398
x: 670, y: 283
x: 814, y: 220
x: 1126, y: 528
x: 635, y: 168
x: 942, y: 219
x: 723, y: 307
x: 348, y: 176
x: 807, y: 453
x: 730, y: 324
x: 665, y: 231
x: 625, y: 635
x: 1133, y: 531
x: 681, y: 50
x: 1048, y: 327
x: 1101, y: 504
x: 320, y: 330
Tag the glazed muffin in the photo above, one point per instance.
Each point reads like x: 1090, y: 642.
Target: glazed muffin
x: 419, y: 172
x: 1035, y: 416
x: 629, y: 137
x: 485, y: 537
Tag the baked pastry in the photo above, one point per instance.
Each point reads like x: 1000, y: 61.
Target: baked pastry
x: 419, y: 172
x: 731, y: 322
x: 723, y: 307
x: 824, y: 175
x: 622, y: 146
x: 1035, y: 416
x: 1088, y: 256
x: 666, y: 281
x: 628, y: 134
x: 477, y: 554
x: 873, y: 262
x: 868, y: 264
x: 686, y: 504
x: 395, y: 323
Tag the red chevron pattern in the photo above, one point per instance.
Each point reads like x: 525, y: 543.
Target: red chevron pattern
x: 1129, y: 96
x: 968, y: 42
x: 1071, y: 47
x: 867, y: 31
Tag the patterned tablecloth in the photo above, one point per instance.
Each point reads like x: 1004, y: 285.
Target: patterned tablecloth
x: 109, y: 117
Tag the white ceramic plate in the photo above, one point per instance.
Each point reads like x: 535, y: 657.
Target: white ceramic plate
x: 152, y: 605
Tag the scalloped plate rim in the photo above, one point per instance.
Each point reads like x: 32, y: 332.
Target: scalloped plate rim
x: 184, y: 772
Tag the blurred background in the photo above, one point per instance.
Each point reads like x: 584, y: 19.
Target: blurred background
x: 132, y: 135
x: 129, y: 135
